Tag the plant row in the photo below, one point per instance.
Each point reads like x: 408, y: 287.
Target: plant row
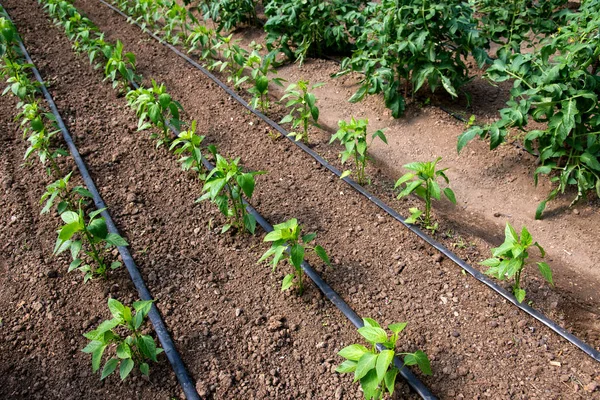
x: 403, y: 47
x: 84, y: 233
x: 225, y: 185
x: 421, y: 181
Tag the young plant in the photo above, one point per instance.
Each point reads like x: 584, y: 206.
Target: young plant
x: 375, y: 370
x: 260, y: 67
x: 510, y: 258
x: 229, y: 14
x: 422, y: 182
x: 187, y: 145
x: 234, y: 59
x: 154, y: 106
x: 203, y: 39
x: 18, y: 80
x: 303, y: 109
x: 57, y: 190
x: 39, y: 136
x: 353, y: 135
x: 225, y: 185
x: 288, y: 243
x: 87, y: 236
x: 131, y: 350
x: 119, y: 63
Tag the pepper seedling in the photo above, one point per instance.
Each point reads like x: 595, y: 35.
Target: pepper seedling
x: 303, y: 109
x: 375, y: 370
x: 353, y: 135
x: 287, y: 236
x: 423, y: 183
x: 510, y: 258
x: 134, y: 349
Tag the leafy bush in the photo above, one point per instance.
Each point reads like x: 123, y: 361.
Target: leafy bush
x: 305, y: 28
x: 511, y: 257
x: 229, y: 14
x: 135, y: 348
x: 415, y: 42
x: 511, y: 23
x: 557, y: 86
x: 375, y: 370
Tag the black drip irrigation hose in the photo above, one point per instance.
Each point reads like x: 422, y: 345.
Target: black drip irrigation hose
x: 166, y: 342
x: 586, y: 348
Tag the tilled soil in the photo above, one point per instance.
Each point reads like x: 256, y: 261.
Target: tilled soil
x: 239, y: 336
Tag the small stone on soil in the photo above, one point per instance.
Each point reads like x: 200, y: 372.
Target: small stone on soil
x: 455, y: 334
x: 52, y: 274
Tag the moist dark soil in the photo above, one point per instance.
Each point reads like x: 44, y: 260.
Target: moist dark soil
x: 238, y: 334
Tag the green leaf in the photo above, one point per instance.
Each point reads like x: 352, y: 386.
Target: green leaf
x: 109, y: 367
x: 69, y: 217
x: 147, y: 347
x: 98, y: 228
x: 519, y: 294
x: 250, y: 223
x: 419, y: 358
x: 372, y: 334
x: 345, y: 174
x: 145, y: 369
x: 365, y: 364
x: 383, y: 362
x: 346, y: 367
x: 116, y: 240
x: 353, y: 352
x: 117, y: 309
x: 370, y: 385
x: 511, y: 234
x: 545, y: 271
x: 287, y: 282
x: 390, y: 379
x: 450, y: 195
x: 126, y: 367
x: 591, y: 161
x: 322, y: 255
x: 123, y: 350
x: 309, y: 237
x: 67, y: 231
x: 371, y: 322
x: 97, y: 357
x: 397, y: 328
x: 297, y: 255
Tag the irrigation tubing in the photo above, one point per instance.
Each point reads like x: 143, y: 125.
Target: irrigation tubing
x: 166, y: 342
x: 586, y: 348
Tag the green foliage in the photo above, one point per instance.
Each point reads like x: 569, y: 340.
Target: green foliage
x: 233, y: 59
x: 225, y: 186
x: 16, y: 73
x: 129, y: 351
x: 177, y: 21
x: 87, y: 238
x: 423, y: 182
x: 303, y: 108
x: 58, y: 190
x: 204, y: 40
x: 510, y: 258
x: 119, y: 67
x: 415, y: 41
x: 8, y: 38
x: 260, y: 68
x: 305, y: 28
x: 353, y: 135
x: 557, y: 86
x: 375, y: 370
x: 510, y: 23
x: 155, y: 107
x: 123, y: 64
x: 289, y: 243
x: 35, y: 123
x: 230, y: 14
x: 187, y: 145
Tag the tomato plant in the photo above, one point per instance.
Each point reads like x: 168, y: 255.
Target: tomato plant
x: 557, y: 86
x: 414, y: 42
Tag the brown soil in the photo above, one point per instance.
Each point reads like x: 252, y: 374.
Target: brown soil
x: 239, y: 336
